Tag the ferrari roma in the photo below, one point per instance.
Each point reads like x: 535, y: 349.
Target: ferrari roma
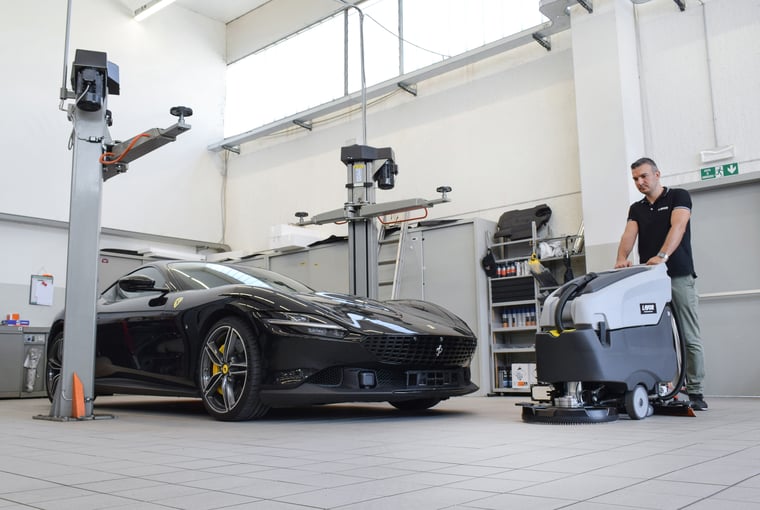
x: 245, y: 340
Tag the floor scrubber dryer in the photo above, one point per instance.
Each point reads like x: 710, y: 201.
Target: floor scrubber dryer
x: 609, y: 344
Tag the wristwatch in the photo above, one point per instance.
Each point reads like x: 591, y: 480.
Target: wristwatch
x: 663, y: 256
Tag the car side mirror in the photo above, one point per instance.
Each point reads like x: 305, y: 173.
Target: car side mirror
x: 138, y: 283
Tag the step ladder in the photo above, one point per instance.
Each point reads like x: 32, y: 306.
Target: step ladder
x: 390, y: 259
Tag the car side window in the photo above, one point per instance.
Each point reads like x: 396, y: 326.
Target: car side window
x: 116, y: 293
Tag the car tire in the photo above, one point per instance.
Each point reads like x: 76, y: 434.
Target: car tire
x: 415, y: 405
x: 229, y: 372
x: 54, y: 365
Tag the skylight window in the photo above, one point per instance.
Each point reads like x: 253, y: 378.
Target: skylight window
x: 311, y: 68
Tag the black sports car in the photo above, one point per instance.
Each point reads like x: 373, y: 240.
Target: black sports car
x: 245, y: 339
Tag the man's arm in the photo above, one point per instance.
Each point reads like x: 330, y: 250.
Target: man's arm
x: 626, y: 244
x: 679, y: 219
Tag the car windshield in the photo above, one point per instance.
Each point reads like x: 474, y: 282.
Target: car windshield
x: 204, y: 275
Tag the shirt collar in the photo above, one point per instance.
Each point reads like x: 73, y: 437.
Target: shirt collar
x: 665, y: 191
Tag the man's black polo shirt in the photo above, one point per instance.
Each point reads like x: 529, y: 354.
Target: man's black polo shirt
x: 654, y: 223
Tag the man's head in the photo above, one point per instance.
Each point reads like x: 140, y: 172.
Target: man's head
x: 646, y: 176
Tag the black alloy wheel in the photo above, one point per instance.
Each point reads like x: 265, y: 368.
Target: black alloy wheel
x: 415, y: 405
x: 229, y: 372
x: 54, y: 365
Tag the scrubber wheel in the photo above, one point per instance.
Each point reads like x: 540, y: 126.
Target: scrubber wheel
x: 637, y: 403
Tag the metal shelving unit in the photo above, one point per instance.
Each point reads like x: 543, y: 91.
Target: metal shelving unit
x: 515, y: 302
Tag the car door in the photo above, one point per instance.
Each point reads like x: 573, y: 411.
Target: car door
x: 141, y: 343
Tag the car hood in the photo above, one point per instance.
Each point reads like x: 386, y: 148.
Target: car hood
x: 360, y: 315
x: 386, y: 317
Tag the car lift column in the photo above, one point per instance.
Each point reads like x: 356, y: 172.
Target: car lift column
x: 361, y: 210
x: 362, y: 236
x: 84, y: 233
x: 92, y: 79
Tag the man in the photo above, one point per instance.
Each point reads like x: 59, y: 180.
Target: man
x: 660, y: 220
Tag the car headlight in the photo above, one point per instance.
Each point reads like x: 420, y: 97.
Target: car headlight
x: 288, y: 323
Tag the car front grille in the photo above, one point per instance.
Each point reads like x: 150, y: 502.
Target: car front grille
x: 432, y: 378
x: 421, y: 350
x: 398, y: 378
x: 332, y: 376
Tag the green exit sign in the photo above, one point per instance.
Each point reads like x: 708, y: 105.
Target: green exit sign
x: 719, y: 171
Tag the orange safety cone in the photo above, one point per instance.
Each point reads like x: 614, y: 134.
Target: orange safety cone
x: 77, y: 400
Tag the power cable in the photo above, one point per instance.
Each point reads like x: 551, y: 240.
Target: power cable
x: 406, y: 41
x: 397, y: 36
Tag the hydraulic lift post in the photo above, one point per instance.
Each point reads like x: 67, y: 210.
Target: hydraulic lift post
x: 361, y: 210
x: 88, y: 114
x: 96, y: 158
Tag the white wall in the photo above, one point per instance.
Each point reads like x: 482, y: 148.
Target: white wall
x: 700, y: 76
x: 176, y: 58
x: 652, y: 80
x: 30, y: 249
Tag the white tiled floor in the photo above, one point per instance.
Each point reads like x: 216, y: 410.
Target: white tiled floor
x: 467, y: 453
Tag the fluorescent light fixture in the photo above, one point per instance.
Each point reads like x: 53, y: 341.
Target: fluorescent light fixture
x: 151, y: 8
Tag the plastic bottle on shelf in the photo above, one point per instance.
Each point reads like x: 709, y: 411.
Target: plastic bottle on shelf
x: 504, y: 318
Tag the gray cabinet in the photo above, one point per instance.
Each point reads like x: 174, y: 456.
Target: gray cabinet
x: 22, y: 362
x: 323, y: 267
x: 442, y: 265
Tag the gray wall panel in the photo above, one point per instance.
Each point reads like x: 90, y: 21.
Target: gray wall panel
x: 726, y: 241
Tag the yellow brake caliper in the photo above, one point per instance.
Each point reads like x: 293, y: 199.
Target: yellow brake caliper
x: 220, y: 368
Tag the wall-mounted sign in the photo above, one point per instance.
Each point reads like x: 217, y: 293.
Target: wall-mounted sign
x: 41, y: 290
x: 719, y: 171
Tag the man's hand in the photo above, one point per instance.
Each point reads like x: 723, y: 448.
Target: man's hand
x: 623, y: 263
x: 655, y: 260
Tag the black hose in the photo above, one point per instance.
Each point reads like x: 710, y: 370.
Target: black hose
x: 569, y: 292
x: 681, y: 346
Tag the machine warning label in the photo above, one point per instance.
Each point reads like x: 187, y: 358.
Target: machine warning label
x: 647, y: 308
